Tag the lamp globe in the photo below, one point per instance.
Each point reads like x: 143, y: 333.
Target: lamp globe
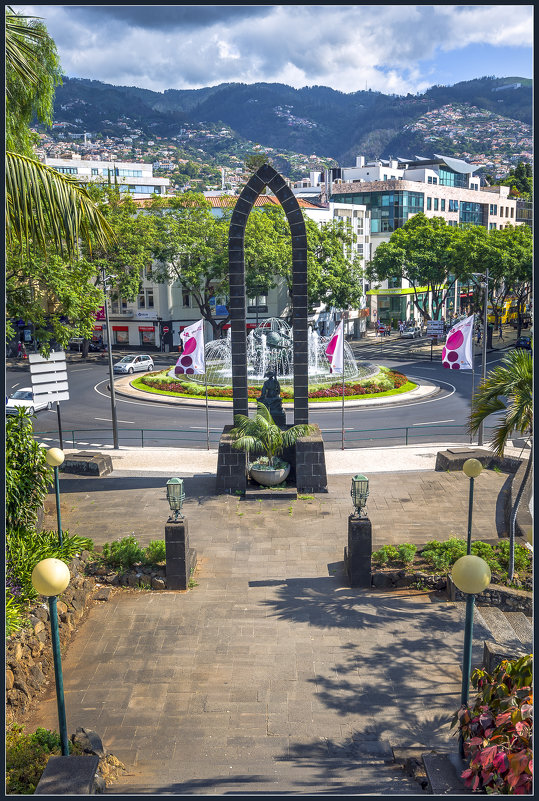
x: 50, y: 577
x: 55, y: 457
x: 472, y: 468
x: 471, y: 574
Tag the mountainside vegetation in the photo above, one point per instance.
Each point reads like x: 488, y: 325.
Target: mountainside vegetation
x: 313, y: 119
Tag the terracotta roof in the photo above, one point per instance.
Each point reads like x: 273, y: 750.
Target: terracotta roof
x: 229, y: 201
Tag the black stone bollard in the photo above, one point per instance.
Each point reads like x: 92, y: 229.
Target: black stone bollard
x: 357, y: 555
x: 180, y: 558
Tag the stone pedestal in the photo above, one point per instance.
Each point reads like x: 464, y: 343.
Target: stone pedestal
x: 231, y: 466
x: 311, y: 463
x: 69, y: 775
x: 357, y: 555
x: 180, y: 558
x: 87, y: 463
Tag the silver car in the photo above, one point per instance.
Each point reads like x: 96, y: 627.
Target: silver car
x: 134, y: 363
x: 411, y: 332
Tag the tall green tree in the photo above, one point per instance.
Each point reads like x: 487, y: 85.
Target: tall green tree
x: 508, y: 388
x: 422, y: 253
x: 47, y: 214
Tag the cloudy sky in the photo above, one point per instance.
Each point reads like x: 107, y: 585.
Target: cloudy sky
x: 390, y: 48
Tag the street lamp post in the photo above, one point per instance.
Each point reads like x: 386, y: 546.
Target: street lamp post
x: 471, y: 575
x: 484, y: 356
x: 111, y: 369
x: 50, y: 577
x: 472, y: 468
x: 55, y: 457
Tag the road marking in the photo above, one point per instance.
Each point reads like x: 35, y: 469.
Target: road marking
x: 434, y: 422
x: 108, y: 420
x: 79, y: 369
x: 15, y: 385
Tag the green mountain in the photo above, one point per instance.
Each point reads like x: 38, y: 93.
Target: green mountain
x: 314, y: 119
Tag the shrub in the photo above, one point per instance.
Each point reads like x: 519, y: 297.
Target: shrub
x: 27, y: 756
x: 28, y: 475
x: 155, y: 552
x: 15, y: 621
x: 26, y: 547
x: 123, y: 553
x: 522, y: 556
x: 406, y: 553
x: 497, y: 729
x: 384, y: 554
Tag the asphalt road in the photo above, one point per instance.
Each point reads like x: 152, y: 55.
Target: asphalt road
x: 86, y: 417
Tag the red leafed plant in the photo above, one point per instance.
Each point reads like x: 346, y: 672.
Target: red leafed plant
x: 497, y: 729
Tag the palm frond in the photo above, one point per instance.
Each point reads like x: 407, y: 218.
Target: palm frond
x: 43, y: 205
x: 19, y: 53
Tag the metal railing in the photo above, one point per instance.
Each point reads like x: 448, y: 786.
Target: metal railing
x: 189, y: 438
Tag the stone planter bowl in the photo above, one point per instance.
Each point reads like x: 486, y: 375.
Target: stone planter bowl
x: 270, y: 477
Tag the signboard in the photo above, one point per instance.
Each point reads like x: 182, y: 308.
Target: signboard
x: 49, y: 376
x: 435, y: 328
x: 146, y: 315
x: 100, y: 313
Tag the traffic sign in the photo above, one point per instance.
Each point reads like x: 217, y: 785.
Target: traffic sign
x: 49, y: 376
x: 165, y: 329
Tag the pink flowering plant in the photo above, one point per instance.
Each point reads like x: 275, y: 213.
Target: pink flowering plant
x: 497, y: 730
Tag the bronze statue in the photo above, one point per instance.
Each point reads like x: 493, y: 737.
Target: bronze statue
x: 271, y: 398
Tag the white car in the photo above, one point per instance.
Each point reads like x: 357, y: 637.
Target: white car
x: 411, y: 332
x: 134, y: 363
x: 24, y: 399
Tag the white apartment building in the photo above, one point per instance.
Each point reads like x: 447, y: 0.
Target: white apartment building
x: 133, y: 177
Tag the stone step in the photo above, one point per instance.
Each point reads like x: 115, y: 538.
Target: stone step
x: 443, y: 774
x: 290, y: 777
x: 522, y: 627
x: 500, y: 628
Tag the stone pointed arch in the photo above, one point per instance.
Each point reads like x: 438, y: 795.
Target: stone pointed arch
x: 267, y: 176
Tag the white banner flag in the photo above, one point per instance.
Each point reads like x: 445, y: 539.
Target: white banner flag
x: 457, y: 353
x: 192, y: 358
x: 335, y: 348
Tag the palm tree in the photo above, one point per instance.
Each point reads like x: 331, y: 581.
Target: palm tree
x: 508, y: 387
x: 261, y: 435
x: 41, y: 204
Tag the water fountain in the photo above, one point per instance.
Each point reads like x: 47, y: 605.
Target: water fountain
x: 270, y: 346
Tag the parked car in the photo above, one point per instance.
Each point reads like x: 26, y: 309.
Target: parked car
x: 134, y: 363
x: 411, y: 332
x: 524, y: 342
x: 24, y: 399
x: 94, y: 346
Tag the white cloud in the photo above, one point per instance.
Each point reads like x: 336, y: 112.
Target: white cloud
x: 388, y: 47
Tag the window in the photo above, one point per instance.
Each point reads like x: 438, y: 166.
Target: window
x: 118, y: 306
x: 141, y: 300
x: 67, y: 170
x: 429, y: 179
x: 435, y: 204
x: 507, y: 211
x: 385, y: 177
x: 450, y: 178
x: 434, y: 180
x: 186, y: 300
x: 501, y: 211
x: 493, y: 209
x: 453, y: 205
x: 492, y: 226
x: 95, y: 171
x: 148, y: 272
x: 442, y: 204
x: 149, y: 298
x: 429, y: 203
x: 512, y: 211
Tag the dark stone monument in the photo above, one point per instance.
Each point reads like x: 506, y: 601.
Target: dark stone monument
x: 69, y: 775
x: 357, y: 555
x: 180, y: 558
x: 271, y: 398
x: 227, y: 478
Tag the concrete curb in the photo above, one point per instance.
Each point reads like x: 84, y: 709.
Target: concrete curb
x: 122, y: 386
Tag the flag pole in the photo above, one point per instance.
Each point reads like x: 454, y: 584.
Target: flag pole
x: 473, y: 379
x: 342, y: 421
x: 207, y: 418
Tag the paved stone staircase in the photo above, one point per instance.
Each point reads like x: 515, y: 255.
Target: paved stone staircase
x: 497, y: 635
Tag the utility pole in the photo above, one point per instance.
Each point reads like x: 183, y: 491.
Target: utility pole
x: 111, y: 369
x: 484, y: 358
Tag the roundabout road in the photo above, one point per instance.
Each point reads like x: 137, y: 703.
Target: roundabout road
x: 438, y: 418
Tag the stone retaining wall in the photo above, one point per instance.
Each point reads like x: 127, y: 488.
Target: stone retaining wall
x: 505, y: 598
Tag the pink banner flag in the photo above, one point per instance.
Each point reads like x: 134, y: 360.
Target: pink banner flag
x: 334, y: 350
x: 457, y: 353
x: 192, y: 359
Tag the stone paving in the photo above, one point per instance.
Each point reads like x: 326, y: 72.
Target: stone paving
x: 270, y: 675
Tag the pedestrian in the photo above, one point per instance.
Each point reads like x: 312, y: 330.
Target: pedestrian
x: 500, y: 332
x: 19, y: 349
x: 23, y: 351
x: 478, y: 336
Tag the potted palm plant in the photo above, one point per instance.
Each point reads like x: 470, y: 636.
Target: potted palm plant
x: 261, y: 435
